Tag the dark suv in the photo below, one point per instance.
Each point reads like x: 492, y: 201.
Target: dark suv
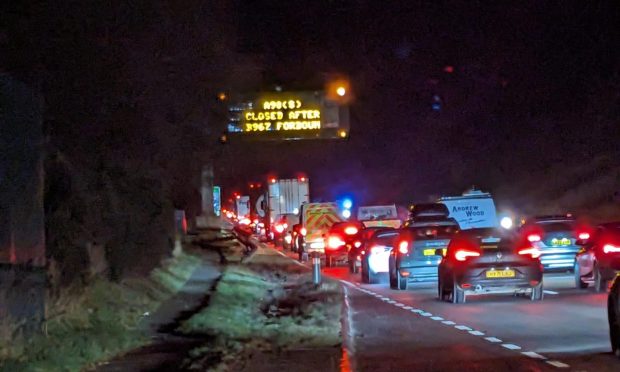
x: 556, y: 238
x: 415, y: 255
x: 480, y: 261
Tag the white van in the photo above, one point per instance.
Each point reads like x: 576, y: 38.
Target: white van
x: 472, y: 210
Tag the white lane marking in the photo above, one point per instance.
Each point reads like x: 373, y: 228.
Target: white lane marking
x: 390, y: 301
x: 546, y: 291
x: 558, y: 364
x: 476, y: 333
x: 493, y: 339
x: 426, y: 314
x: 463, y: 328
x: 417, y: 311
x: 436, y: 318
x: 511, y: 346
x: 533, y: 355
x: 448, y: 322
x: 407, y: 307
x: 399, y: 304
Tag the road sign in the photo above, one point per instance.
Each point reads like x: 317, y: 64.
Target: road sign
x: 288, y: 116
x: 217, y: 202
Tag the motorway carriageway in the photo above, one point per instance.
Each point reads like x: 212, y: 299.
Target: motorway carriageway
x: 387, y: 329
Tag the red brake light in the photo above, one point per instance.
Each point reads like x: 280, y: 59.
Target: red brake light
x: 334, y: 242
x: 351, y: 230
x: 357, y: 244
x: 533, y: 238
x: 609, y: 248
x: 463, y: 254
x: 532, y: 251
x: 303, y: 231
x: 403, y: 247
x: 584, y: 236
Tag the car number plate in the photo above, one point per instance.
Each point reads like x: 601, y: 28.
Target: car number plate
x: 429, y: 252
x: 501, y: 274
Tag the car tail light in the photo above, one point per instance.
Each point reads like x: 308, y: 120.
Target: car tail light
x: 334, y: 242
x: 532, y: 251
x: 303, y: 231
x: 463, y: 254
x: 351, y: 230
x: 376, y: 250
x: 363, y: 253
x: 357, y: 244
x: 533, y: 238
x: 584, y: 236
x: 403, y: 247
x: 609, y: 248
x: 279, y: 229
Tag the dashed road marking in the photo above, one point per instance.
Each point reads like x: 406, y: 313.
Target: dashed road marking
x: 533, y: 355
x: 546, y: 291
x: 530, y: 354
x: 558, y: 364
x: 463, y: 328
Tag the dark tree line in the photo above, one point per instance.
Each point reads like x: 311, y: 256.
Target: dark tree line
x: 127, y: 90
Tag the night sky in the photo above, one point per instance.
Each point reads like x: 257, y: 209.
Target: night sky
x: 533, y: 85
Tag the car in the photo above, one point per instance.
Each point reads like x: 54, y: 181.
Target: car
x: 422, y: 211
x: 491, y: 260
x: 356, y: 252
x: 556, y: 237
x: 375, y: 253
x: 414, y: 257
x: 599, y: 258
x: 613, y: 315
x: 282, y: 227
x: 340, y: 239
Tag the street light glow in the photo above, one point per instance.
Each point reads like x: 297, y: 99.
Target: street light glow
x: 341, y: 91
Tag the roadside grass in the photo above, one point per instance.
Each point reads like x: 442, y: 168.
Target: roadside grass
x: 86, y: 325
x: 267, y: 304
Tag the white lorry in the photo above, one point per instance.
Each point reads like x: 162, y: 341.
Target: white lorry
x: 379, y: 215
x: 285, y: 197
x: 474, y: 209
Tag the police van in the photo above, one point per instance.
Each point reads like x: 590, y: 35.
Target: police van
x: 472, y: 210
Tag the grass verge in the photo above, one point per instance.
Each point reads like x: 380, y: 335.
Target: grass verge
x: 269, y: 304
x: 86, y: 325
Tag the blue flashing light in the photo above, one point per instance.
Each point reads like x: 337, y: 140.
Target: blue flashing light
x: 347, y: 203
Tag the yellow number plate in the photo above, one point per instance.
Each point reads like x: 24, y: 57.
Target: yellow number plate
x: 501, y: 274
x: 429, y: 252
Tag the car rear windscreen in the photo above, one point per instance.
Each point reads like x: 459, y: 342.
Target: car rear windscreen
x: 433, y: 232
x: 557, y: 226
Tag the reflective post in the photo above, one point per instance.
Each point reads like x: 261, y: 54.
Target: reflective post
x: 316, y: 268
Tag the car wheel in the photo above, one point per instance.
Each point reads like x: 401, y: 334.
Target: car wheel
x: 613, y: 316
x: 600, y: 284
x: 393, y: 283
x: 579, y: 283
x: 365, y: 272
x: 442, y: 293
x: 458, y: 295
x: 537, y: 293
x: 401, y: 281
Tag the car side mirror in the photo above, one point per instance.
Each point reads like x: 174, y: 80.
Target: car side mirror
x: 439, y: 252
x: 581, y: 242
